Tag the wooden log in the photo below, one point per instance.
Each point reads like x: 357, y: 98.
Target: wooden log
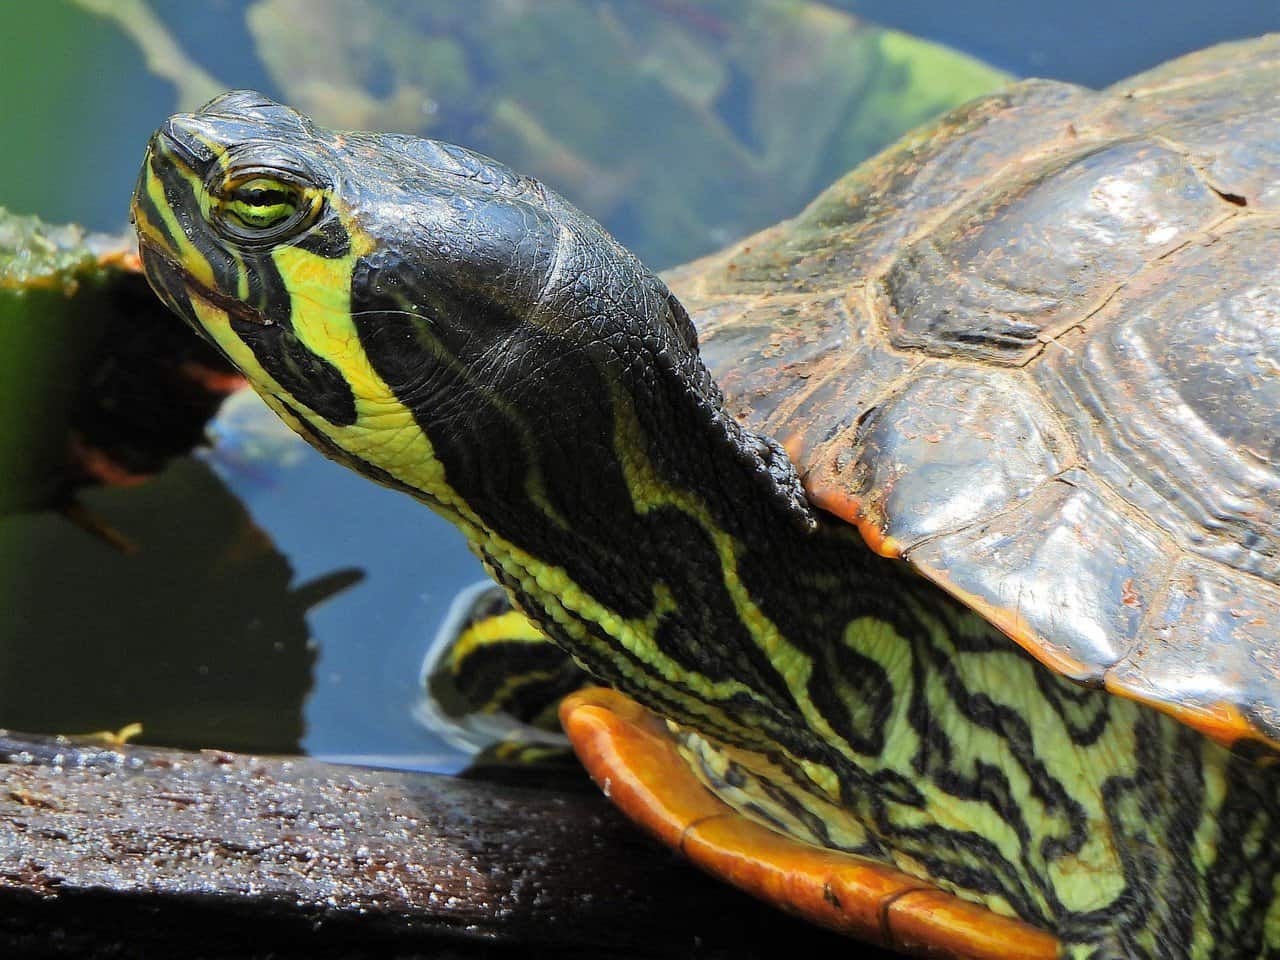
x: 141, y: 852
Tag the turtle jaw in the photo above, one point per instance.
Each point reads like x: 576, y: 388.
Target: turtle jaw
x: 158, y: 249
x: 178, y: 289
x: 172, y: 261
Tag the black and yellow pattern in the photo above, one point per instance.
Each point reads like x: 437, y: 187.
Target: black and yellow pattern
x: 493, y: 682
x: 453, y: 330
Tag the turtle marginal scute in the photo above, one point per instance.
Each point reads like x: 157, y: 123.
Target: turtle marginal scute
x: 1011, y: 567
x: 952, y: 447
x: 1207, y: 614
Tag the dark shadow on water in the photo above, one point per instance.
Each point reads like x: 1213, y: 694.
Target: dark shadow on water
x: 200, y: 634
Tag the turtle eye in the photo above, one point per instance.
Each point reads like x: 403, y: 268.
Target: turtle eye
x: 264, y: 208
x: 261, y: 204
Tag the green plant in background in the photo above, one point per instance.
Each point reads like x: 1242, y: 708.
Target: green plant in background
x: 679, y: 126
x: 52, y: 315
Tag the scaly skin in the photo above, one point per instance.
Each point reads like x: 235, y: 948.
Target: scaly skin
x: 450, y: 329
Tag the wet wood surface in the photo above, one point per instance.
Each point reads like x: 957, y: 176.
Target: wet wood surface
x: 140, y: 852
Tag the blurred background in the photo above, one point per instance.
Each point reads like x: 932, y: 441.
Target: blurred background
x: 218, y: 581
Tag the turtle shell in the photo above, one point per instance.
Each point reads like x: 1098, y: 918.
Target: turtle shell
x: 1034, y: 350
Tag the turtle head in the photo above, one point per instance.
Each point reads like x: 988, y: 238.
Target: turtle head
x: 446, y: 326
x: 352, y: 273
x: 377, y: 286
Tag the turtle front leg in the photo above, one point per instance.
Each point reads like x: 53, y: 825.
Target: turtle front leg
x: 494, y: 682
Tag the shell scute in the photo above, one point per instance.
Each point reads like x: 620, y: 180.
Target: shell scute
x: 1014, y: 269
x: 1219, y: 106
x: 1174, y: 394
x: 775, y: 347
x: 1208, y: 647
x: 791, y: 366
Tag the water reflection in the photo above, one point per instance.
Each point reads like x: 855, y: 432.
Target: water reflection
x: 199, y: 633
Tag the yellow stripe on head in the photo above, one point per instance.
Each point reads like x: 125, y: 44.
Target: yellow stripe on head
x: 185, y: 252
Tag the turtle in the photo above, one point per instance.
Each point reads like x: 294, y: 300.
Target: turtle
x: 923, y: 546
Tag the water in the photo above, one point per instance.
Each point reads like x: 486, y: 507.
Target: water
x: 276, y: 601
